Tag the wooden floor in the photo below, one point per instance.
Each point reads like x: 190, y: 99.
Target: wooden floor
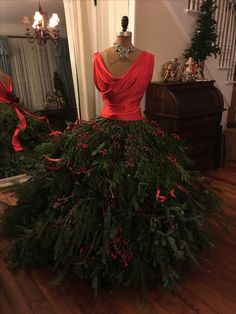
x: 209, y: 289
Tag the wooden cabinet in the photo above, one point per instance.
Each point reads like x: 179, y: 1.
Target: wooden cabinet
x: 59, y: 117
x: 193, y: 110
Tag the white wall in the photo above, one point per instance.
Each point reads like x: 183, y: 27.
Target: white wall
x: 158, y: 32
x: 163, y: 28
x: 12, y: 12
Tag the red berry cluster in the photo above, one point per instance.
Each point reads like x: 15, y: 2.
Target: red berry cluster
x: 121, y: 253
x: 158, y: 133
x: 175, y: 136
x: 60, y: 201
x: 95, y: 125
x: 153, y: 123
x: 115, y: 145
x: 115, y: 140
x: 115, y: 137
x: 128, y: 164
x: 104, y: 152
x: 51, y: 166
x: 124, y: 256
x: 82, y: 146
x: 130, y: 139
x: 83, y: 136
x: 81, y: 171
x: 172, y: 158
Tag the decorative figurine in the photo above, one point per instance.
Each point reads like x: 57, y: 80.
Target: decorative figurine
x: 189, y: 70
x: 170, y: 70
x: 198, y: 72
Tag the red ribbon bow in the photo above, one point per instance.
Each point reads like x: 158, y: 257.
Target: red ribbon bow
x: 12, y: 100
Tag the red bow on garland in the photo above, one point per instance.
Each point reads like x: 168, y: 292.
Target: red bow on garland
x: 13, y: 101
x: 162, y: 198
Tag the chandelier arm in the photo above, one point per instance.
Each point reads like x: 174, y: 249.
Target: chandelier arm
x: 42, y: 30
x: 54, y: 36
x: 33, y: 39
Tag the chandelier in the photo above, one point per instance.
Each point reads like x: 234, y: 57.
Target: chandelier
x: 44, y: 29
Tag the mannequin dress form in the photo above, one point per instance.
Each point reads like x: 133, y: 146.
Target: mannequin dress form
x: 114, y: 203
x: 113, y: 62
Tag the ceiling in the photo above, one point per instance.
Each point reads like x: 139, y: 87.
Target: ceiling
x: 12, y: 11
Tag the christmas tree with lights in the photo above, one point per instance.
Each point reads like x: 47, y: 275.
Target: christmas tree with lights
x: 204, y: 40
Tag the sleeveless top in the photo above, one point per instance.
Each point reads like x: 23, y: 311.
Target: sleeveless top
x: 122, y: 95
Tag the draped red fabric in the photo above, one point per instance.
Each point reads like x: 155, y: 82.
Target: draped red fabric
x: 20, y: 127
x: 7, y: 97
x: 5, y: 91
x: 122, y: 95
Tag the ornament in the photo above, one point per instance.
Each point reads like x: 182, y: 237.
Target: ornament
x: 123, y: 52
x: 170, y: 70
x: 189, y: 70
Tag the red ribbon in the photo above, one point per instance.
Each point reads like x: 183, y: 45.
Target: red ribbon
x: 42, y: 118
x: 160, y: 198
x: 22, y: 125
x: 52, y: 159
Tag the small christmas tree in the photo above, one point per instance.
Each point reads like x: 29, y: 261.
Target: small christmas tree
x: 204, y: 40
x: 59, y: 86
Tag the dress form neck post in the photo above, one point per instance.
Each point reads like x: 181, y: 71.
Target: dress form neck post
x: 124, y: 41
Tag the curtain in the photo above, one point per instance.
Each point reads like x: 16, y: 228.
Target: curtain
x: 108, y: 24
x: 32, y: 67
x: 79, y: 20
x: 4, y: 58
x: 64, y: 69
x: 91, y: 28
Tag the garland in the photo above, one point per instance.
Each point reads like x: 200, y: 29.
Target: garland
x: 17, y: 148
x: 114, y: 204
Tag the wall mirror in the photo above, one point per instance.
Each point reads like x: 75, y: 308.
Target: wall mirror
x: 37, y: 71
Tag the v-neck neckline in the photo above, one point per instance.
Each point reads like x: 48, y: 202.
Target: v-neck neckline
x: 126, y: 72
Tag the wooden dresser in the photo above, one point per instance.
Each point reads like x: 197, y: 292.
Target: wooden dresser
x: 59, y: 116
x: 193, y: 110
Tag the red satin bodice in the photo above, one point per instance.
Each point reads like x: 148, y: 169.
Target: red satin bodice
x: 122, y: 95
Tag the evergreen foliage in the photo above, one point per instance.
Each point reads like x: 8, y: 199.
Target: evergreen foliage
x: 11, y: 162
x: 204, y: 40
x: 59, y: 86
x: 115, y: 207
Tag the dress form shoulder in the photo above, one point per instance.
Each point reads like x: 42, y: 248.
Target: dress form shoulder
x: 114, y: 64
x: 5, y: 80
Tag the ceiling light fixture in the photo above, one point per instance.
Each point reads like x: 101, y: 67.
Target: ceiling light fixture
x: 44, y: 30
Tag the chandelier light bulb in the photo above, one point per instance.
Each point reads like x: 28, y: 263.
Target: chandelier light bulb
x: 26, y: 20
x: 54, y: 20
x: 38, y: 17
x: 35, y: 24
